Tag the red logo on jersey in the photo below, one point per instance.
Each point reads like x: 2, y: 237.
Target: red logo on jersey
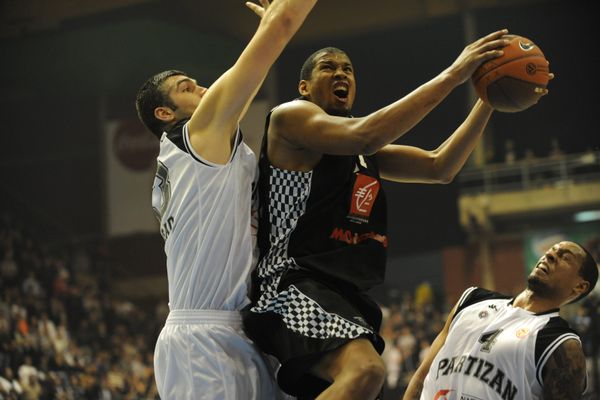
x: 441, y: 394
x: 364, y: 195
x: 344, y: 235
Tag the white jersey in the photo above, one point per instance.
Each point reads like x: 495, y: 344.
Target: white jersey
x: 494, y: 350
x: 204, y: 211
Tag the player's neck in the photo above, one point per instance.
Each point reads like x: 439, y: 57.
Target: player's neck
x: 532, y: 302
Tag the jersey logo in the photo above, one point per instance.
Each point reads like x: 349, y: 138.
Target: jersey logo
x: 488, y: 340
x: 442, y: 394
x: 363, y: 197
x: 521, y: 333
x: 347, y: 236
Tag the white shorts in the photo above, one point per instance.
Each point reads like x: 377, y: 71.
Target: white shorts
x: 204, y: 354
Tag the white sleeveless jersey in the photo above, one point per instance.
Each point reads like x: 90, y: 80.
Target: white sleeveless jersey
x: 204, y: 210
x: 494, y: 350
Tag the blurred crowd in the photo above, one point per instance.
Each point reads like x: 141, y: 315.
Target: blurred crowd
x: 63, y: 336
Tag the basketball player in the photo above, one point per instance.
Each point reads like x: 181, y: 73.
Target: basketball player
x: 497, y: 347
x: 322, y: 231
x: 202, y: 196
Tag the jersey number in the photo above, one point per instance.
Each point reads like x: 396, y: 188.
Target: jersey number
x: 488, y: 340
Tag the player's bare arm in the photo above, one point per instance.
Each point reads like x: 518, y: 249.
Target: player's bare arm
x: 415, y: 386
x: 409, y: 164
x: 213, y: 124
x: 564, y: 373
x: 307, y: 128
x: 413, y: 165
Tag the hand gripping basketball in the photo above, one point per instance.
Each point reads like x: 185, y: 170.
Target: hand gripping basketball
x: 517, y: 79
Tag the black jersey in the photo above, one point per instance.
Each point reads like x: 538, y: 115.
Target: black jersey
x: 330, y: 221
x: 323, y: 240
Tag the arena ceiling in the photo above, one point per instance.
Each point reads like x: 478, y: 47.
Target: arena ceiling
x: 19, y: 18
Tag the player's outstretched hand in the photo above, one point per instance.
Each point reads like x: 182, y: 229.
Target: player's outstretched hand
x: 476, y: 53
x: 258, y: 10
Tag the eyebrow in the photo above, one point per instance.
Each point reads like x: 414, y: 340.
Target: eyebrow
x: 176, y: 84
x: 564, y: 250
x: 332, y: 62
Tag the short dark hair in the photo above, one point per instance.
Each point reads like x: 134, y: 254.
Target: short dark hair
x: 150, y: 96
x: 309, y: 64
x: 589, y: 272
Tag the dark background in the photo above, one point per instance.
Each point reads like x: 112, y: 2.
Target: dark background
x: 60, y: 84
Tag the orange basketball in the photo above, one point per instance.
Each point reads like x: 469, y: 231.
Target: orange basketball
x: 516, y: 80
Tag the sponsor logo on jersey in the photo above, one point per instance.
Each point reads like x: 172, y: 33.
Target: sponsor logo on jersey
x: 363, y: 197
x: 442, y: 394
x: 347, y: 236
x: 484, y: 371
x: 521, y: 333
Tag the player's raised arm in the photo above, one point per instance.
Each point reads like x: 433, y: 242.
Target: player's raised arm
x: 320, y: 132
x: 213, y: 123
x: 411, y: 164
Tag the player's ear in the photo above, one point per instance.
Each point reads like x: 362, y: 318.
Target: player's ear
x: 164, y: 114
x: 303, y: 88
x: 581, y: 287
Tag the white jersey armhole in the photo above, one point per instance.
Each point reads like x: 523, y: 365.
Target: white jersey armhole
x: 188, y: 146
x: 539, y: 368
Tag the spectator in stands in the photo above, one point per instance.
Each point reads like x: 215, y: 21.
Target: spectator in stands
x: 510, y: 156
x: 32, y: 390
x: 556, y: 152
x: 9, y: 384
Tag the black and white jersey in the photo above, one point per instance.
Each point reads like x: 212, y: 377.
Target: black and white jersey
x: 204, y: 211
x: 494, y: 350
x: 329, y: 224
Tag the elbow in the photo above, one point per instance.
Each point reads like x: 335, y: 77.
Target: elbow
x: 442, y: 173
x: 445, y: 178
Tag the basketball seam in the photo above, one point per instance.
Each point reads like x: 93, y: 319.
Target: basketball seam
x: 507, y: 97
x: 519, y: 80
x: 507, y: 62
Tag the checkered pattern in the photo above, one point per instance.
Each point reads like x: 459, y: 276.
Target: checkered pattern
x: 289, y: 192
x: 305, y: 316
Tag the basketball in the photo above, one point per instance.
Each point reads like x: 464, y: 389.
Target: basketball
x: 516, y: 80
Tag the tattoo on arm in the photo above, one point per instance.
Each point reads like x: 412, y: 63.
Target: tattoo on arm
x: 564, y: 372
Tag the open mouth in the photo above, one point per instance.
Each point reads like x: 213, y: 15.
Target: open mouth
x: 341, y: 92
x: 543, y: 268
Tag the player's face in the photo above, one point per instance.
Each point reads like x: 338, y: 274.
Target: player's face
x: 558, y: 269
x: 185, y: 93
x: 332, y: 85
